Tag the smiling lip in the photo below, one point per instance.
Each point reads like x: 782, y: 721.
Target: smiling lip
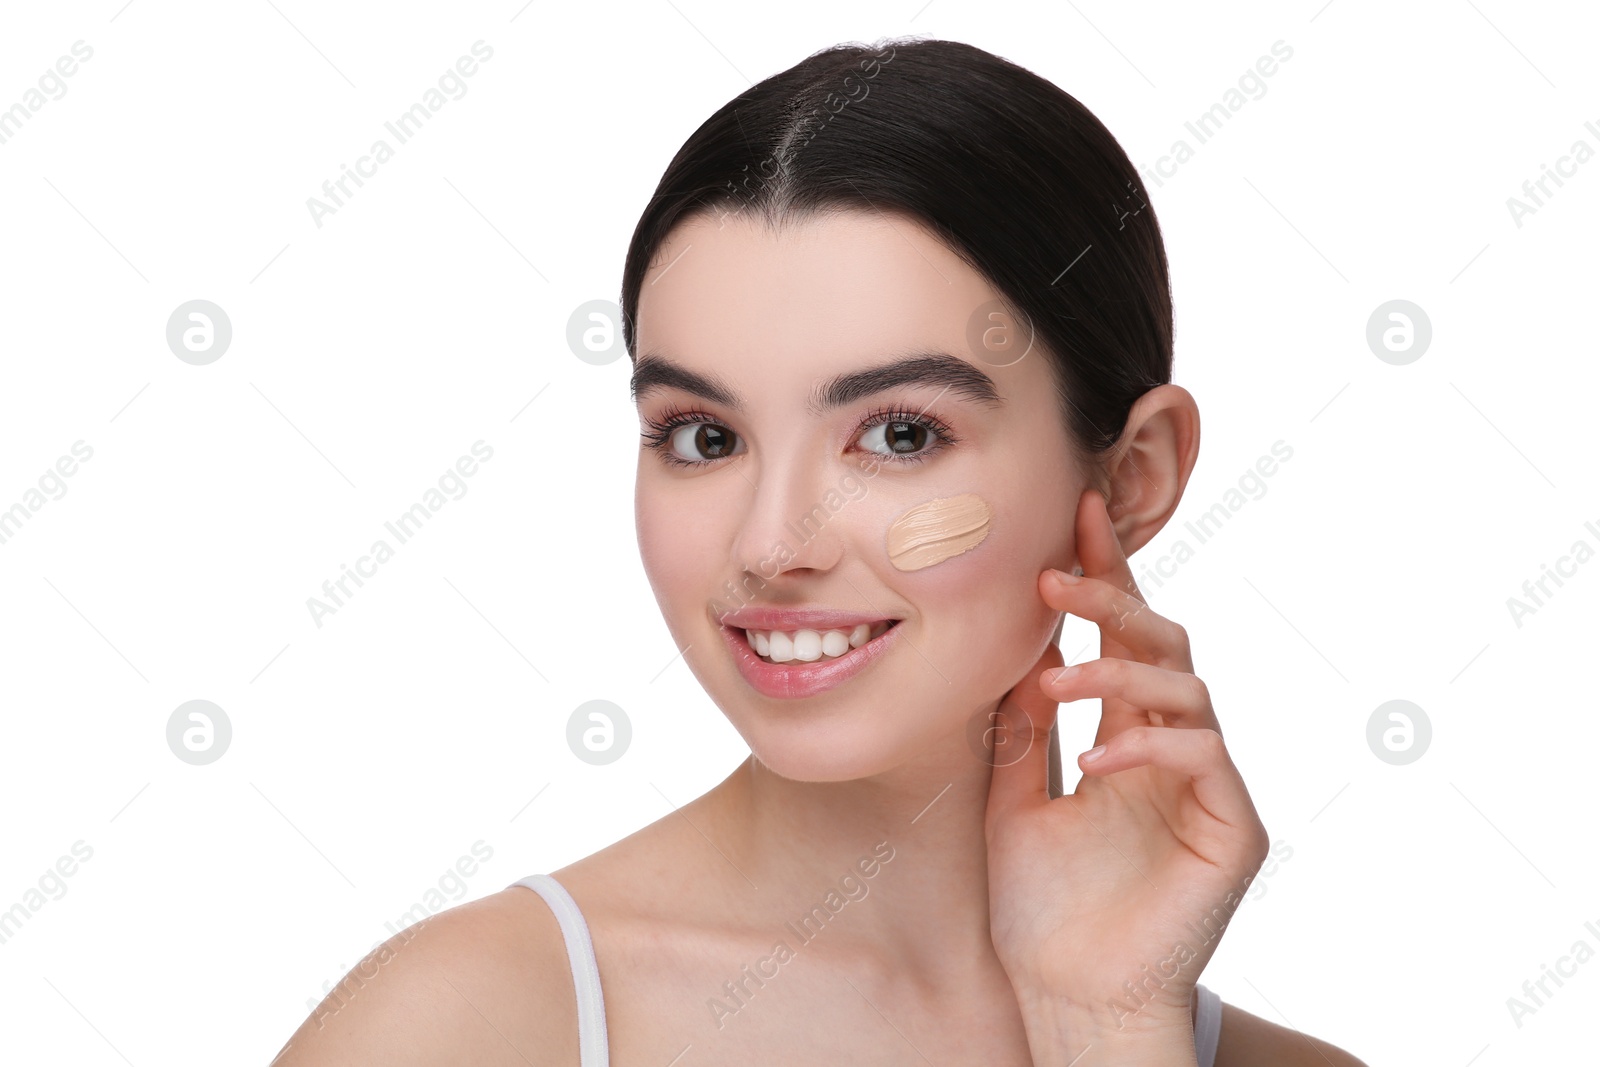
x: 795, y: 680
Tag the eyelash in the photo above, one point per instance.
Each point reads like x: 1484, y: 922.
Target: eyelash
x: 658, y: 433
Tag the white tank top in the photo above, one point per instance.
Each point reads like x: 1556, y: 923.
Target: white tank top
x: 593, y: 1050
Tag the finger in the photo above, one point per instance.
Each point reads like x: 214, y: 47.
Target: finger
x: 1099, y: 550
x: 1100, y: 556
x: 1145, y: 633
x: 1199, y: 755
x: 1021, y: 741
x: 1180, y: 698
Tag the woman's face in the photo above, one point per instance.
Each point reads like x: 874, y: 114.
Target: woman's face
x: 783, y: 446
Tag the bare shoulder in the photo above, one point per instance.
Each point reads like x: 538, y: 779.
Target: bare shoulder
x: 1247, y: 1040
x: 486, y: 982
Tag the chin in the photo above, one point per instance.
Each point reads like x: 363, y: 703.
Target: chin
x: 840, y: 752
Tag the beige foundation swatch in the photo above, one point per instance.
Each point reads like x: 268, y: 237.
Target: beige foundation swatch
x: 934, y: 531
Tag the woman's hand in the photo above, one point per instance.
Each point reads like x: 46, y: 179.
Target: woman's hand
x: 1105, y: 904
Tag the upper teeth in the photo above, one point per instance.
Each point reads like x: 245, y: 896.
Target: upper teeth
x: 781, y: 646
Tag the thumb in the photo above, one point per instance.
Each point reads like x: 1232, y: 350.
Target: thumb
x: 1021, y: 736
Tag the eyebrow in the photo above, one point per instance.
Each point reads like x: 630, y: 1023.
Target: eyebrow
x: 654, y: 371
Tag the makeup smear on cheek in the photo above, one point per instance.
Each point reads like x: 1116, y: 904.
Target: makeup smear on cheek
x: 934, y: 531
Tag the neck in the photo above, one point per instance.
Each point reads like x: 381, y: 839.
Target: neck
x: 896, y: 861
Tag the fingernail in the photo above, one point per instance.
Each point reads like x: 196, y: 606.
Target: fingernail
x: 1093, y: 754
x: 1069, y: 579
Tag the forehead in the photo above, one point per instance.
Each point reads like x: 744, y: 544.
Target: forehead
x: 820, y: 295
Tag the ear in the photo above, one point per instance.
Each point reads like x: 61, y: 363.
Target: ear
x: 1150, y: 466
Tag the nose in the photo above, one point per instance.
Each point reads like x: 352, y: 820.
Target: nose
x: 792, y: 521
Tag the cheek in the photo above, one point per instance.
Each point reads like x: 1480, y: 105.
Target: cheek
x: 997, y: 577
x: 971, y: 563
x: 965, y: 541
x: 670, y: 549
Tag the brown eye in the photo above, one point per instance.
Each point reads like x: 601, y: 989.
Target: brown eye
x: 895, y: 438
x: 700, y: 441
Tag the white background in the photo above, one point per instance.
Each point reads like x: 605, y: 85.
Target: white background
x: 369, y: 754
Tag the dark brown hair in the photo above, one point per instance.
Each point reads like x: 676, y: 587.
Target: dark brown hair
x: 1012, y: 172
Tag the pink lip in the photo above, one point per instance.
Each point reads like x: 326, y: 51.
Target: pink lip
x: 793, y: 681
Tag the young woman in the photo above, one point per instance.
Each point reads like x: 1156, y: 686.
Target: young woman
x: 902, y: 344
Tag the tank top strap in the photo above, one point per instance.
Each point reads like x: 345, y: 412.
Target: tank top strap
x: 1207, y: 1025
x: 593, y: 1050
